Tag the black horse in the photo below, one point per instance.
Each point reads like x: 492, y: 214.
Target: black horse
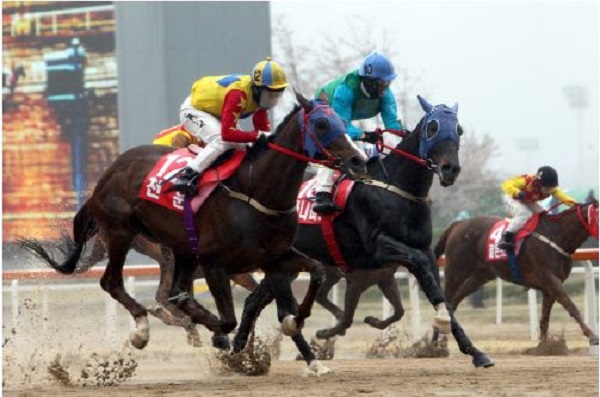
x: 387, y: 222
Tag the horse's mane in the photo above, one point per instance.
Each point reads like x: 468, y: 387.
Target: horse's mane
x: 256, y: 150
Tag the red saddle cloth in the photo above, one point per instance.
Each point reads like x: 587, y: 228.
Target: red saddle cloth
x: 306, y: 215
x: 154, y: 188
x: 306, y: 199
x: 495, y: 235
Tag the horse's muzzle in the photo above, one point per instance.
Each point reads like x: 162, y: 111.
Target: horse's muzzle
x: 448, y: 174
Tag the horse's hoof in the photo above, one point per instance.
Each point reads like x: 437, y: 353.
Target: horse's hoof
x: 593, y: 341
x: 482, y: 360
x: 316, y: 368
x: 289, y: 326
x: 322, y: 334
x: 137, y: 340
x: 371, y: 320
x: 221, y: 342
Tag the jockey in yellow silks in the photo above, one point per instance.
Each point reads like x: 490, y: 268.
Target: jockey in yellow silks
x: 522, y: 194
x: 214, y: 107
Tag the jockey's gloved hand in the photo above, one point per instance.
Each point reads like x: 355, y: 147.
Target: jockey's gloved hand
x: 261, y: 139
x: 521, y: 195
x: 371, y: 137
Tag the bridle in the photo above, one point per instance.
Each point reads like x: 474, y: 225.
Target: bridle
x: 306, y: 127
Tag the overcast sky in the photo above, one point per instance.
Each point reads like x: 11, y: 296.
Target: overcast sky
x: 505, y: 62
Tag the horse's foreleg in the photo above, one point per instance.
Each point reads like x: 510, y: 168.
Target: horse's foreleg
x: 218, y: 284
x: 547, y: 303
x: 291, y: 263
x: 389, y: 288
x: 331, y: 278
x: 556, y: 290
x: 253, y: 305
x: 112, y: 282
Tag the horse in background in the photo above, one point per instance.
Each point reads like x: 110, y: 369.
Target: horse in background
x: 247, y: 223
x: 544, y: 259
x: 387, y: 223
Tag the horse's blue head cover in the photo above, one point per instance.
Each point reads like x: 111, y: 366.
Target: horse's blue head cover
x: 337, y: 127
x: 447, y: 125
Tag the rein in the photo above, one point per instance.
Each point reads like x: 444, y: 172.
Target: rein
x: 403, y: 134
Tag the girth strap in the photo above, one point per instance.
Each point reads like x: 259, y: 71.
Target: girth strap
x: 258, y: 206
x: 551, y: 244
x: 398, y: 191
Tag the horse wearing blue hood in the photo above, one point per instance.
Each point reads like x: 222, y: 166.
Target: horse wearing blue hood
x: 387, y: 223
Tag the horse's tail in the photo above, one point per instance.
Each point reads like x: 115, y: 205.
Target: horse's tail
x: 84, y: 228
x: 440, y: 247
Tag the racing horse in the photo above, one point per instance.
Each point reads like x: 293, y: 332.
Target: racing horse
x: 387, y: 223
x: 248, y: 222
x: 544, y: 259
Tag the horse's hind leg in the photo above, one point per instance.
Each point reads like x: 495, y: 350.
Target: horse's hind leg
x: 389, y: 288
x: 112, y: 282
x: 167, y: 312
x: 556, y: 290
x: 354, y: 289
x: 332, y: 277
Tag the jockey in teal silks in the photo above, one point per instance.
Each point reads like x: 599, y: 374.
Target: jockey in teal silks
x: 361, y: 94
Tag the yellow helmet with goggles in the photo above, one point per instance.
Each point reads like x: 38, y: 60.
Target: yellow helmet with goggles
x: 269, y: 74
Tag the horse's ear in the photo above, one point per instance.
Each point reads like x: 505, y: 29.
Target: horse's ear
x: 305, y: 103
x: 455, y: 108
x: 424, y: 104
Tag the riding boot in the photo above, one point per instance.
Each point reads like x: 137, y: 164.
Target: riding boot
x: 324, y: 204
x: 507, y: 243
x: 186, y: 181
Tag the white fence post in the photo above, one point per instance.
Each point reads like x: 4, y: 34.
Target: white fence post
x: 533, y: 317
x: 14, y: 301
x: 45, y: 315
x: 413, y: 288
x: 131, y: 291
x: 335, y: 297
x: 111, y: 320
x: 591, y: 308
x: 498, y: 301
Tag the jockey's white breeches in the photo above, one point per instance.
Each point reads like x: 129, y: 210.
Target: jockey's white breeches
x: 207, y: 128
x: 520, y: 212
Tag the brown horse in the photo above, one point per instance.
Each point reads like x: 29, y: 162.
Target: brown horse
x: 544, y: 259
x: 166, y: 311
x: 248, y: 223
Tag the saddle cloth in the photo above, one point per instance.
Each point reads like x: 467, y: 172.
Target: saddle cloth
x: 306, y: 199
x: 154, y: 188
x: 493, y: 253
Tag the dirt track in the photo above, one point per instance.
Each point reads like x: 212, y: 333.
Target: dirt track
x: 168, y: 366
x: 512, y: 376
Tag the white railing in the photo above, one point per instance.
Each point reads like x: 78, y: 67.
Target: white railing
x: 590, y: 302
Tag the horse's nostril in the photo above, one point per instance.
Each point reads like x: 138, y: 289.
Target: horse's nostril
x: 451, y: 169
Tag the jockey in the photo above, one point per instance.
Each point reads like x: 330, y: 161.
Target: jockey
x: 176, y: 136
x: 522, y: 194
x: 214, y: 107
x: 358, y: 95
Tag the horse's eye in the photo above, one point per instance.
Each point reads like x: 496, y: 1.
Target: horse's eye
x: 432, y: 129
x: 322, y: 126
x: 459, y: 129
